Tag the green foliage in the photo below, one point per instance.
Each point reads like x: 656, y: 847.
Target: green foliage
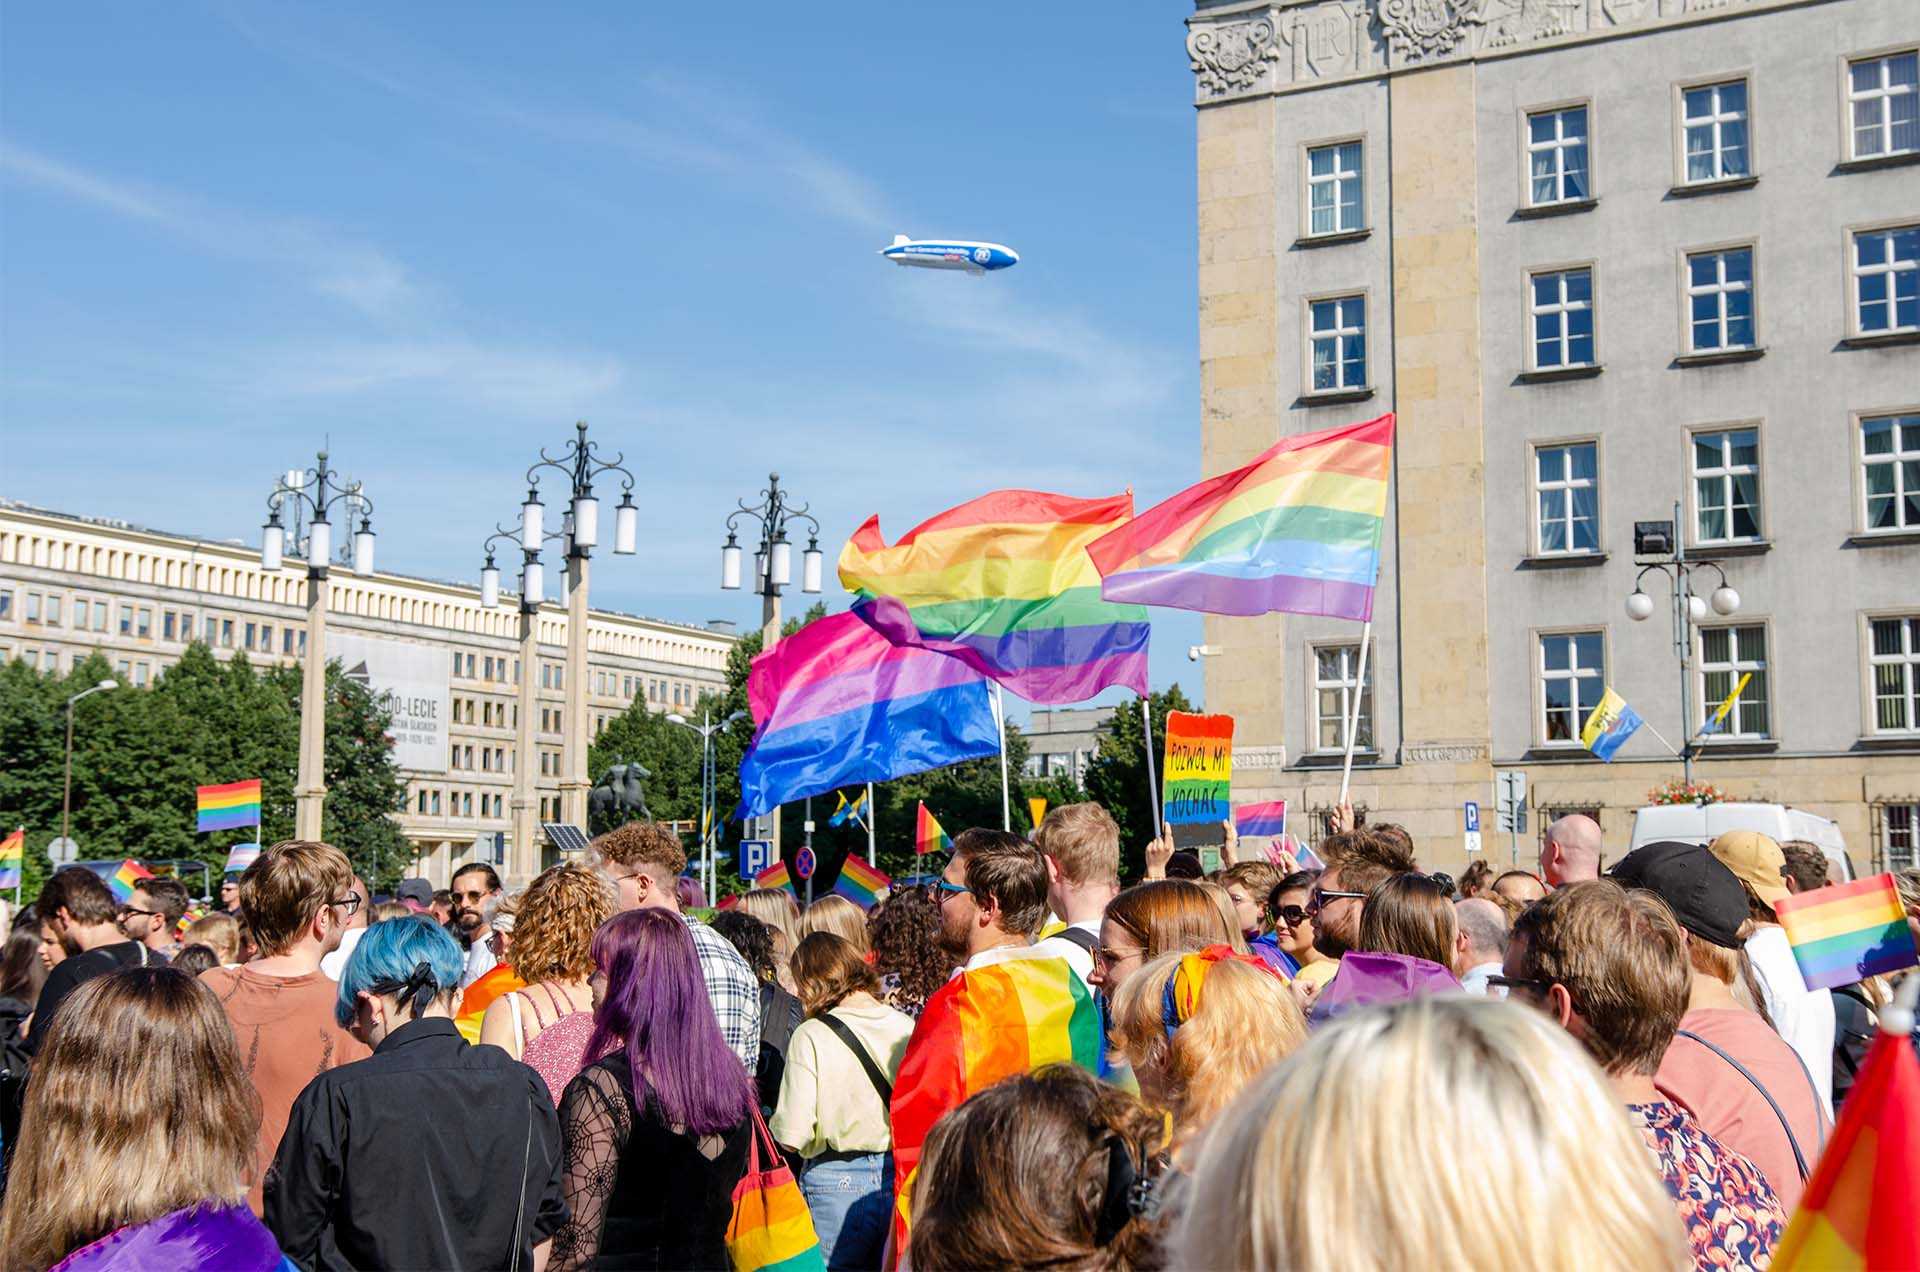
x: 1117, y: 777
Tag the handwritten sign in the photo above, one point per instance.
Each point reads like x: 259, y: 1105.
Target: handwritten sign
x: 1199, y: 768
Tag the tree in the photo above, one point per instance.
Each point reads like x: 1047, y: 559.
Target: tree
x: 1117, y: 777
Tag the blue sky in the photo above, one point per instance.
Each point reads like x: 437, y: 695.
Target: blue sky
x: 436, y: 235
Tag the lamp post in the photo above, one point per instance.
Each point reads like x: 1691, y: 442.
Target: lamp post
x: 532, y: 585
x: 66, y: 786
x: 1659, y: 548
x: 313, y: 494
x: 772, y: 567
x: 708, y: 789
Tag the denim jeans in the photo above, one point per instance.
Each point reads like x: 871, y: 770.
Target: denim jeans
x: 852, y: 1202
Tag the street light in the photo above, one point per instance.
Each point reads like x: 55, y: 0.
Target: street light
x: 310, y: 495
x: 1661, y: 541
x: 709, y: 788
x: 66, y: 787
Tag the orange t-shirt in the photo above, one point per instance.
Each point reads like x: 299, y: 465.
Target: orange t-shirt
x: 287, y: 1037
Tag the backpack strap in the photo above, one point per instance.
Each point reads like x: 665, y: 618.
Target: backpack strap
x: 1081, y: 937
x: 874, y: 1074
x: 1799, y: 1158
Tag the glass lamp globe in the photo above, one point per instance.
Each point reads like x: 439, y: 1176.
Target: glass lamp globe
x: 1639, y: 606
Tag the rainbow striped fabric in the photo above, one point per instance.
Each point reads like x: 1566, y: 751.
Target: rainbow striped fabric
x: 1261, y: 819
x: 1297, y: 530
x: 128, y: 877
x: 838, y: 704
x: 499, y: 981
x: 775, y: 876
x: 1004, y: 582
x: 984, y: 1025
x: 771, y: 1229
x: 1844, y: 934
x: 226, y: 807
x: 861, y: 883
x: 927, y: 835
x: 13, y: 854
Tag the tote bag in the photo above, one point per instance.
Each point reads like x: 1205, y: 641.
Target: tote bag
x: 771, y: 1225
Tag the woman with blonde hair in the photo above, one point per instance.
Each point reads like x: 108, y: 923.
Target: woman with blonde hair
x: 220, y: 932
x: 1161, y: 916
x: 546, y: 1024
x: 1197, y: 1028
x: 777, y: 908
x: 1423, y: 1085
x: 839, y: 916
x: 137, y: 1137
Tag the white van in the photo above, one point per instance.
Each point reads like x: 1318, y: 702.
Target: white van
x: 1703, y: 823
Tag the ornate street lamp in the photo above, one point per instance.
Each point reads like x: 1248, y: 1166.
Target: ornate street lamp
x: 1659, y: 549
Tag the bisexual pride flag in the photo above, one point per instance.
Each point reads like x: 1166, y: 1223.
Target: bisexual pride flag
x: 1261, y: 819
x: 230, y: 806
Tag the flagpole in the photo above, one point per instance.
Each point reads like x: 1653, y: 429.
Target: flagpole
x: 1656, y: 733
x: 1153, y: 786
x: 870, y: 842
x: 1353, y: 714
x: 1000, y: 723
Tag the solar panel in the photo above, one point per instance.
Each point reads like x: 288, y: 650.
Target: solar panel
x: 568, y: 839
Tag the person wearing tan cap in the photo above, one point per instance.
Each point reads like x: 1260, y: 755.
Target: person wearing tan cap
x: 1802, y: 1016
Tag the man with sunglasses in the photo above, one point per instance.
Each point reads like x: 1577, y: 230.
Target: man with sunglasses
x: 1357, y: 863
x: 476, y: 893
x: 152, y: 915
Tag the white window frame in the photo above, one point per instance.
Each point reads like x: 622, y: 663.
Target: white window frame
x: 1734, y: 667
x: 1908, y: 659
x: 1336, y: 334
x: 1343, y: 684
x: 1884, y: 93
x: 1567, y: 485
x: 1716, y: 121
x: 1909, y: 831
x: 1563, y: 307
x: 1892, y: 269
x: 1720, y: 289
x: 1558, y: 146
x: 1309, y: 183
x: 1725, y: 472
x: 1896, y: 459
x: 1541, y: 676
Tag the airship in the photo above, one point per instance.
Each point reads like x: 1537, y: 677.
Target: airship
x: 975, y: 258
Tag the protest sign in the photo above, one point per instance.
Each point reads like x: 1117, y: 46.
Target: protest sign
x: 1199, y: 768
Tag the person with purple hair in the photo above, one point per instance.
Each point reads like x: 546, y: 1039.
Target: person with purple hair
x: 658, y: 1126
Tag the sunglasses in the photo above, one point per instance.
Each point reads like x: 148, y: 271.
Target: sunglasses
x: 1292, y: 915
x: 1318, y: 901
x: 948, y: 891
x: 1511, y: 983
x: 125, y: 910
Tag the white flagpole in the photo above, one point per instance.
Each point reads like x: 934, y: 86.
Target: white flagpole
x: 1000, y: 722
x: 1153, y: 786
x: 1353, y: 714
x: 870, y: 843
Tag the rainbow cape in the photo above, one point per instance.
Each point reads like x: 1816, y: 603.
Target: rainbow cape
x: 1297, y: 530
x: 1844, y: 934
x: 498, y: 982
x: 226, y: 807
x: 861, y: 883
x: 128, y: 877
x: 984, y: 1025
x: 927, y: 835
x: 13, y: 852
x: 1004, y: 583
x: 838, y: 704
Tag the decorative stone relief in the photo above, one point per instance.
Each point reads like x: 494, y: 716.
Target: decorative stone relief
x: 1445, y: 753
x: 1233, y: 57
x: 1627, y: 12
x: 1326, y: 40
x: 1422, y: 30
x: 1259, y: 757
x: 1523, y: 21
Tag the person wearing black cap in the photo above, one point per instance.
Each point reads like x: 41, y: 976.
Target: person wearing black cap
x: 1727, y: 1066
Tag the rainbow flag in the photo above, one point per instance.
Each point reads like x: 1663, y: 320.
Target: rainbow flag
x: 1861, y: 1208
x: 229, y: 806
x: 1844, y: 934
x: 497, y: 983
x: 1260, y: 819
x: 838, y: 704
x: 927, y: 835
x: 128, y: 877
x: 1004, y: 583
x: 984, y: 1025
x: 774, y: 876
x: 861, y: 883
x: 1297, y: 530
x: 13, y: 853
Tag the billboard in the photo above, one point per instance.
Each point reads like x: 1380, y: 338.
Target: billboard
x: 414, y: 681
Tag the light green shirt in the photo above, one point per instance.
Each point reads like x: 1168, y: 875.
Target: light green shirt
x: 827, y: 1102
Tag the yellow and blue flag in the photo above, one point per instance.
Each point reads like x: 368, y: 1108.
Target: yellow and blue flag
x: 1610, y: 725
x: 1720, y: 713
x: 845, y: 812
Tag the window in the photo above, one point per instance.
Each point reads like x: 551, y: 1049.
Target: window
x: 140, y: 672
x: 1890, y: 458
x: 436, y: 803
x: 169, y: 624
x: 33, y: 607
x: 486, y: 665
x: 456, y: 662
x: 1726, y: 654
x: 1567, y: 498
x: 1886, y: 280
x: 252, y: 635
x: 146, y: 623
x: 1883, y: 112
x: 1334, y: 668
x: 1334, y: 203
x: 1713, y: 123
x: 286, y: 640
x: 1557, y: 157
x: 6, y: 602
x: 1726, y: 486
x: 53, y: 609
x: 421, y: 805
x: 1900, y: 835
x: 266, y: 637
x: 212, y: 629
x: 1895, y: 660
x: 82, y: 613
x: 1339, y: 343
x: 226, y: 632
x: 1720, y: 300
x: 100, y: 616
x: 126, y: 619
x: 1562, y: 310
x: 1573, y: 675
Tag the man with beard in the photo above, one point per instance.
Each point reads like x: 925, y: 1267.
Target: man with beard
x: 474, y: 884
x: 1358, y: 861
x: 77, y: 914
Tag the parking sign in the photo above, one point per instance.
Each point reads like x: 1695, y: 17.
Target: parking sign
x: 755, y: 855
x: 1472, y: 812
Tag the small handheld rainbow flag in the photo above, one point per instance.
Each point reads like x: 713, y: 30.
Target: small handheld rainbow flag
x: 230, y: 806
x: 128, y: 877
x: 861, y: 883
x: 1261, y: 819
x: 13, y: 851
x: 1842, y: 935
x: 774, y: 876
x: 927, y: 835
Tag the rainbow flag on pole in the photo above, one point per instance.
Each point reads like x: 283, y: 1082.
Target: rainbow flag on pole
x: 13, y: 853
x: 927, y: 835
x: 1844, y: 934
x: 1004, y: 583
x: 1297, y: 530
x: 228, y: 807
x: 774, y: 876
x: 861, y: 883
x: 128, y: 877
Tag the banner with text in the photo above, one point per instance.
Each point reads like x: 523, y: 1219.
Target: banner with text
x: 1199, y: 768
x: 414, y: 681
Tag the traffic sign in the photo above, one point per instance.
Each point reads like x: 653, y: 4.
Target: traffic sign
x: 1472, y: 812
x: 755, y: 855
x: 804, y: 863
x: 1511, y: 787
x: 63, y: 852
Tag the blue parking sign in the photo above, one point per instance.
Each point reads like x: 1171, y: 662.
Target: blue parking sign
x: 1473, y: 817
x: 755, y: 855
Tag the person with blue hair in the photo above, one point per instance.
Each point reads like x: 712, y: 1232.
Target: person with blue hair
x: 431, y: 1153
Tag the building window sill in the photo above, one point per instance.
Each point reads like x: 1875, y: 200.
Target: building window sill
x: 1563, y: 752
x: 1883, y: 538
x: 1334, y: 759
x: 1739, y: 547
x: 1899, y: 743
x: 1562, y: 560
x: 1332, y: 397
x: 1881, y: 340
x: 1566, y: 208
x: 1734, y: 748
x: 1715, y: 357
x: 1694, y: 189
x: 1306, y: 241
x: 1873, y: 163
x: 1547, y: 375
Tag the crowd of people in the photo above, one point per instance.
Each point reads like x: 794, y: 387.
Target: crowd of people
x: 1020, y: 1064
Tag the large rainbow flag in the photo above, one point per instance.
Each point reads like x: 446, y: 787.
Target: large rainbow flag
x: 1004, y: 582
x: 982, y: 1026
x: 838, y: 704
x: 227, y: 807
x: 1844, y: 934
x: 499, y: 981
x: 1298, y: 530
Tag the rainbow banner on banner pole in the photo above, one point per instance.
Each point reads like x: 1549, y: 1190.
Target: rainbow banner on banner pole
x: 1250, y: 820
x: 228, y: 807
x: 775, y: 876
x: 1297, y: 530
x: 861, y: 883
x: 1844, y: 934
x: 1004, y: 584
x: 13, y: 855
x: 129, y: 876
x: 927, y: 835
x: 1198, y: 771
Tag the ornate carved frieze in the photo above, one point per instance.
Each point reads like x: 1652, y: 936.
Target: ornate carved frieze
x: 1445, y: 752
x: 1236, y: 57
x: 1423, y: 30
x: 1259, y: 757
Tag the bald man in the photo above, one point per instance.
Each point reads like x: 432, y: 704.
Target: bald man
x: 1481, y: 946
x: 1571, y: 853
